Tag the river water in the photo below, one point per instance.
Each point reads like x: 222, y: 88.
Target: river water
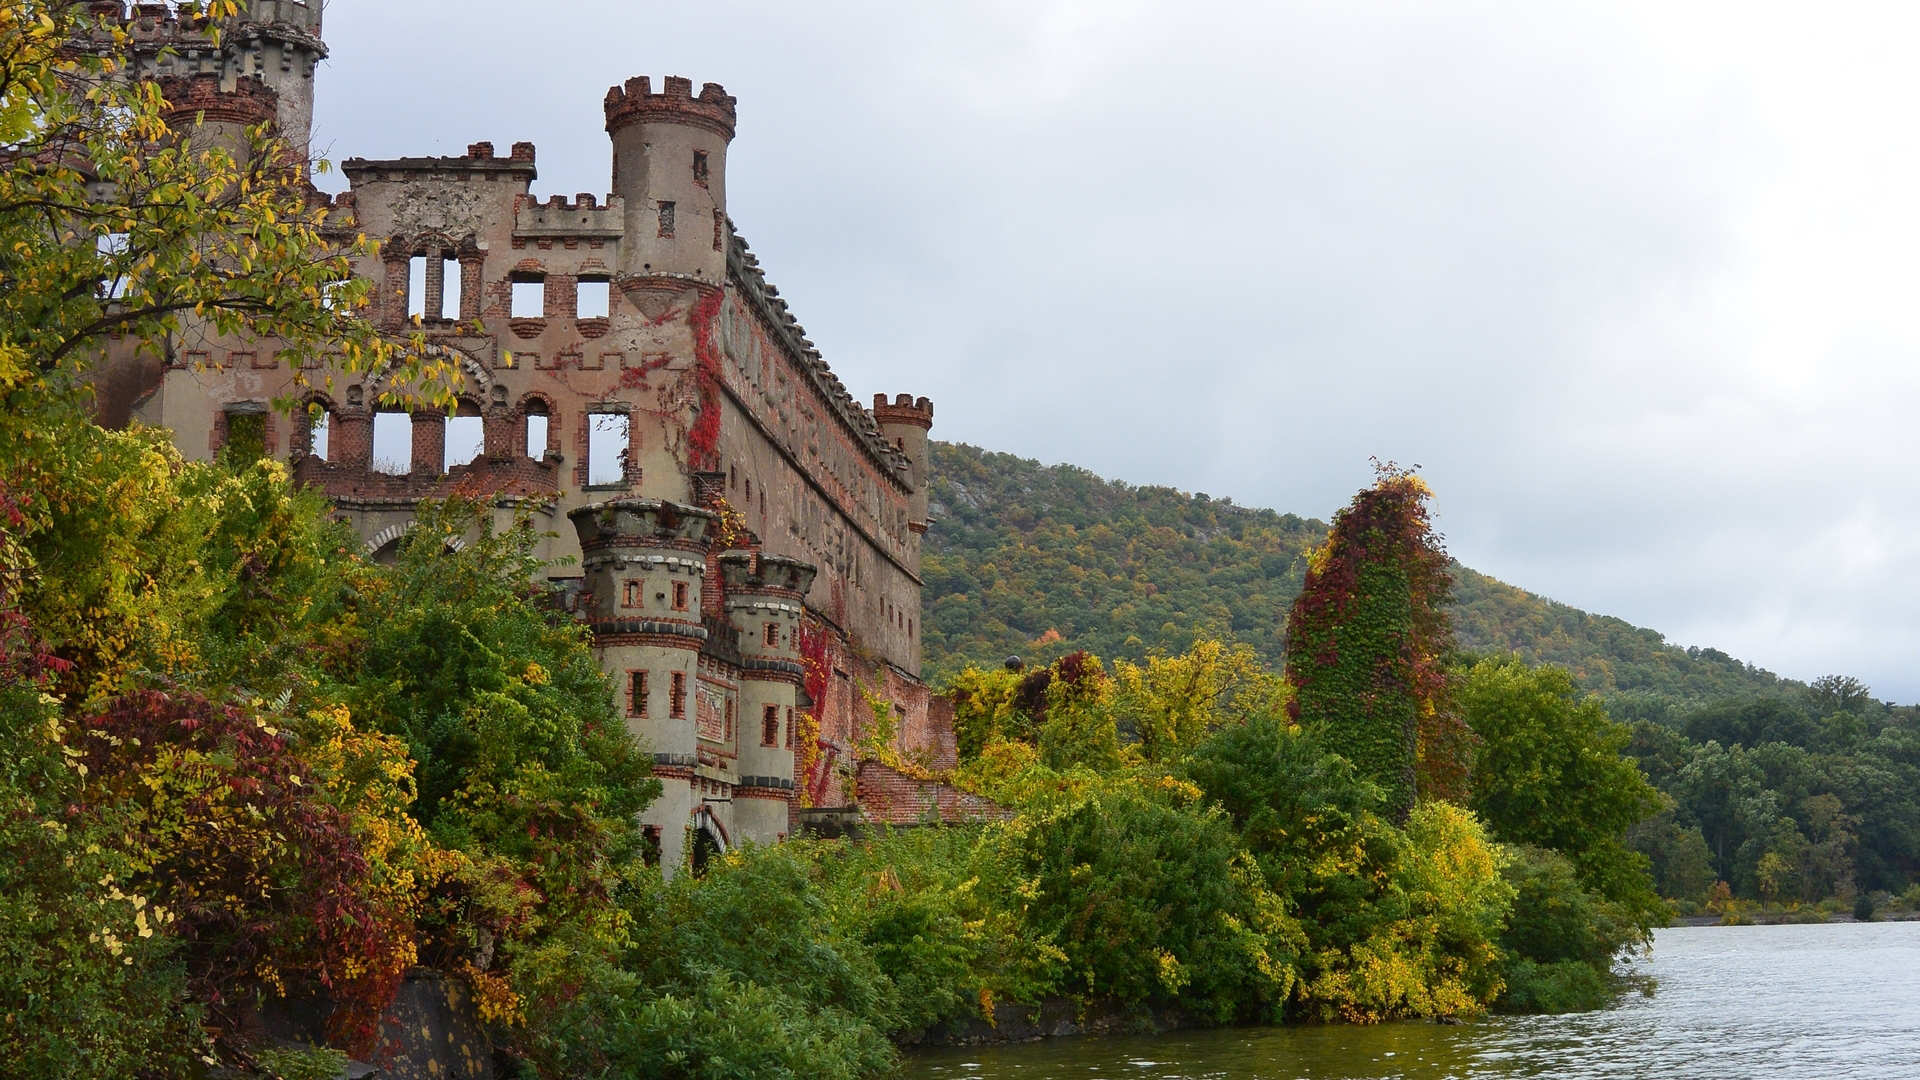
x: 1827, y: 1002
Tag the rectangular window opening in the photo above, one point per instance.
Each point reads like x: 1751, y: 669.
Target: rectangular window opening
x: 607, y: 449
x: 246, y: 438
x: 393, y: 443
x: 529, y: 299
x: 772, y: 634
x: 700, y: 173
x: 729, y: 735
x: 770, y: 726
x: 666, y: 221
x: 466, y: 438
x: 450, y: 290
x: 677, y: 696
x: 636, y: 594
x: 417, y: 286
x: 593, y: 299
x: 113, y: 249
x: 636, y: 693
x: 679, y: 596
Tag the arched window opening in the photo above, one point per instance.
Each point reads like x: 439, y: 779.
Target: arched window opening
x: 393, y: 443
x: 466, y: 434
x: 319, y: 430
x: 537, y: 419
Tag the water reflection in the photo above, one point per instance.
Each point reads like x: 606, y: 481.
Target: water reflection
x: 1832, y: 1002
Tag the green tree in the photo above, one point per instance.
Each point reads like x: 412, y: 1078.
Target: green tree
x: 1550, y: 772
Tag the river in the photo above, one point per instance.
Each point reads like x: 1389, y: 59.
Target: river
x: 1826, y: 1001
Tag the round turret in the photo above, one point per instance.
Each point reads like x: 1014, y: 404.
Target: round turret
x: 670, y: 167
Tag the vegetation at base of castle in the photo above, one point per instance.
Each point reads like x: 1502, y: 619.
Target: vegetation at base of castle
x: 1040, y: 561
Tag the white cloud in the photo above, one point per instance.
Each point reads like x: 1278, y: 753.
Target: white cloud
x: 1633, y: 281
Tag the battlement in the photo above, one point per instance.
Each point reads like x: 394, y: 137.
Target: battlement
x: 905, y: 409
x: 479, y: 162
x: 583, y: 217
x: 150, y: 24
x: 250, y: 102
x: 753, y: 571
x: 636, y: 103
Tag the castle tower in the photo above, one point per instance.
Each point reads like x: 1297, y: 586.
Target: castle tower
x: 670, y: 167
x: 906, y: 424
x: 645, y: 563
x: 765, y: 597
x: 199, y: 110
x: 275, y: 43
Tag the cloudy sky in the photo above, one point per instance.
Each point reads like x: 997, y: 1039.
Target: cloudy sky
x: 1634, y: 283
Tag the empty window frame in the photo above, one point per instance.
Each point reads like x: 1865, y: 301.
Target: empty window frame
x: 666, y: 221
x: 246, y: 438
x: 770, y: 726
x: 701, y: 172
x: 115, y: 253
x: 529, y: 298
x: 466, y: 435
x: 607, y: 449
x: 771, y: 635
x: 537, y: 420
x: 592, y: 299
x: 679, y: 596
x: 636, y: 693
x: 449, y: 290
x: 677, y: 696
x: 417, y: 287
x: 635, y: 594
x: 393, y: 443
x: 319, y: 430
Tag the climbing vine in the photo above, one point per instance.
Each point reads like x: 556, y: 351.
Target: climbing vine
x: 703, y: 440
x: 1366, y: 639
x: 812, y: 759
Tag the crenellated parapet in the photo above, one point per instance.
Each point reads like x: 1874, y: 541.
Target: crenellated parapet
x: 636, y: 103
x: 273, y: 42
x: 904, y: 409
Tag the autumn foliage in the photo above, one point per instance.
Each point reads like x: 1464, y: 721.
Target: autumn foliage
x: 1367, y: 644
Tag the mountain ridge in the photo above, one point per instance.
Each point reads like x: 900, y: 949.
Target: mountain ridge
x: 1037, y: 560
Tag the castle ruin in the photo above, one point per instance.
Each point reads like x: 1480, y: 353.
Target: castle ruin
x: 742, y: 536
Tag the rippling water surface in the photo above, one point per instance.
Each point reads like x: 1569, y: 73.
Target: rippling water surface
x: 1827, y: 1002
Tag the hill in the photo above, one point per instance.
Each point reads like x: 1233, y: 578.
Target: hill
x: 1038, y: 560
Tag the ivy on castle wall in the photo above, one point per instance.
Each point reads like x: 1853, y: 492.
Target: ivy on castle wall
x: 1365, y: 644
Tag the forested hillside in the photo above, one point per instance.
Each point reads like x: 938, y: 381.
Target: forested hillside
x: 1040, y: 560
x: 1787, y: 792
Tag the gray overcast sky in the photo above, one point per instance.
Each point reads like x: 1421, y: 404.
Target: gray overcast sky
x: 1634, y: 282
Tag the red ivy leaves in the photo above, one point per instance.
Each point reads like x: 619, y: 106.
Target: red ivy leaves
x: 1386, y: 530
x: 703, y: 440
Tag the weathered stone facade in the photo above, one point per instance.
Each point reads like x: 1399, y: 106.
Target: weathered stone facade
x: 743, y: 536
